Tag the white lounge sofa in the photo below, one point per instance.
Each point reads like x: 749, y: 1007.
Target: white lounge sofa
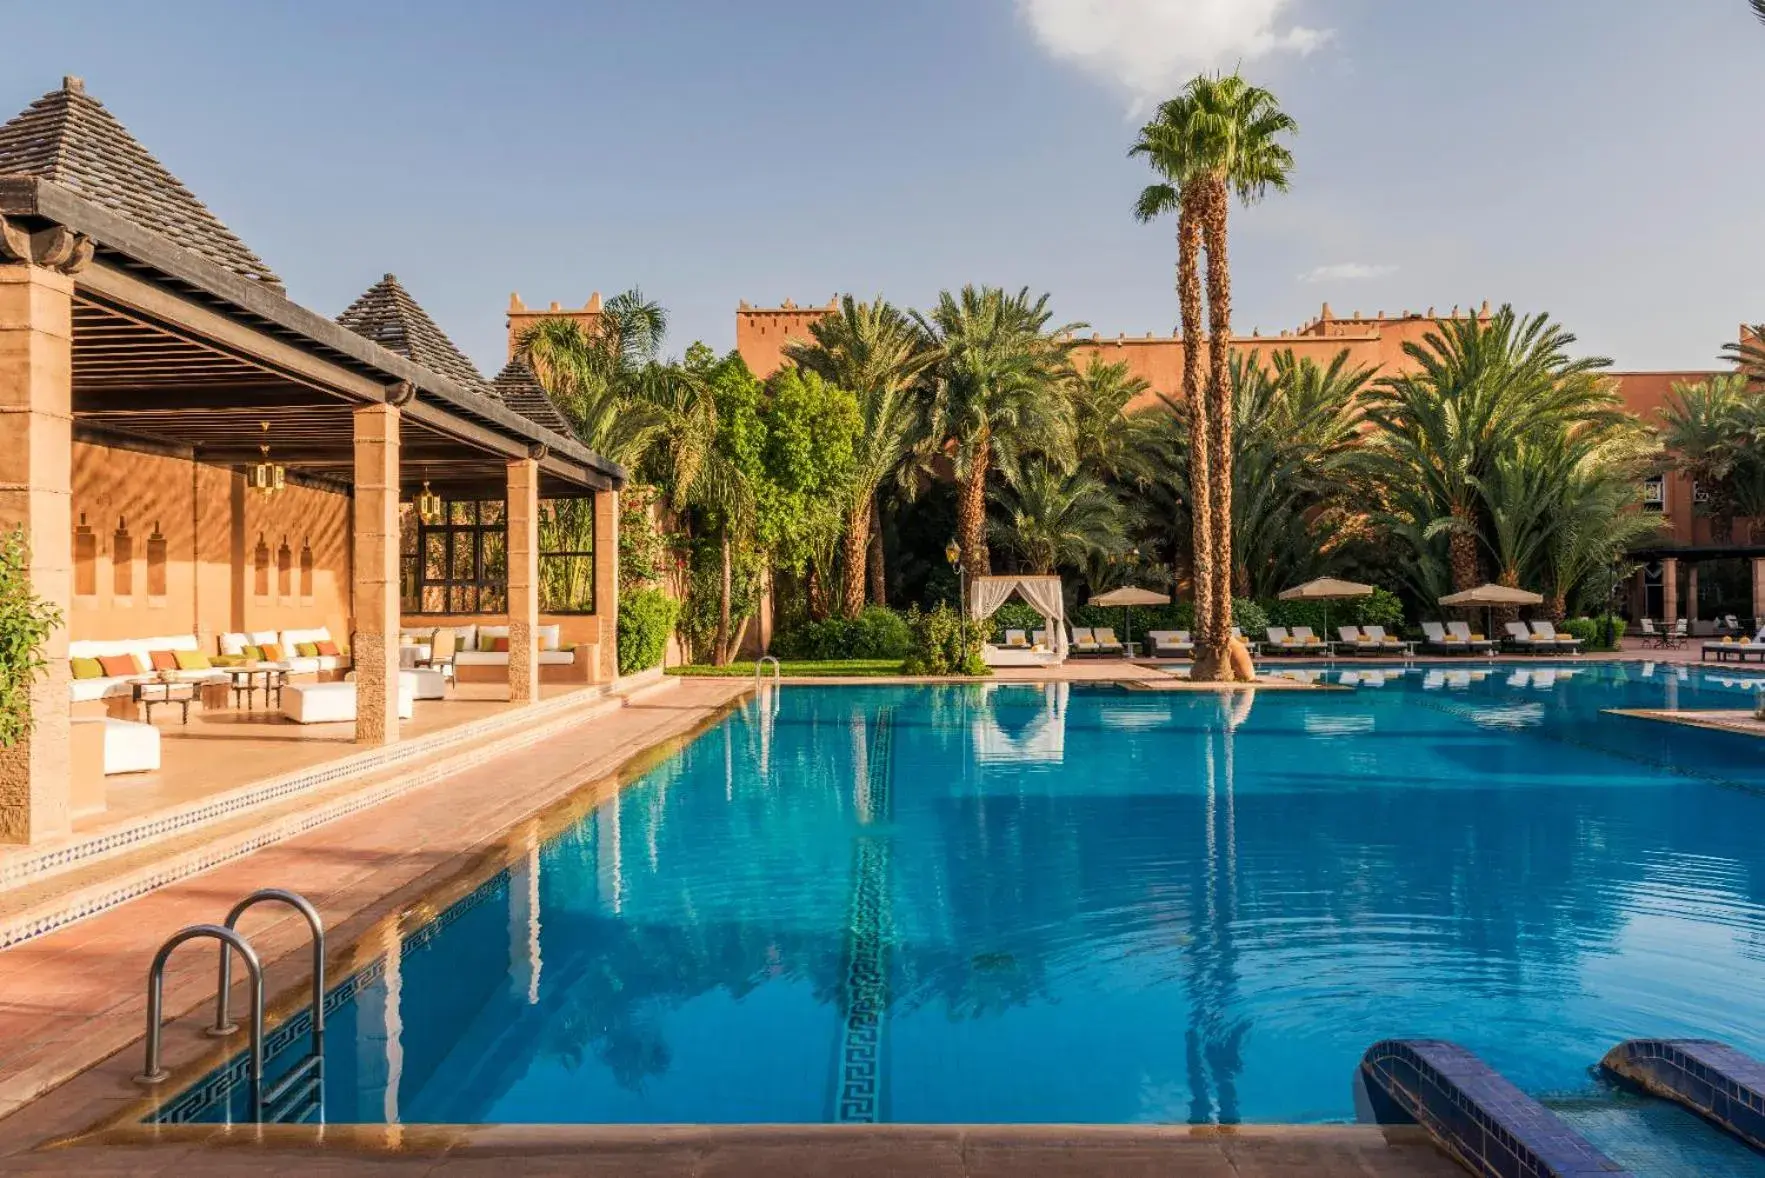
x: 129, y: 746
x: 334, y: 703
x: 121, y: 686
x: 233, y: 645
x: 473, y: 665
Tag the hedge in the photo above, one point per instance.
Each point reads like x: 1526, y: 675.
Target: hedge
x: 646, y: 618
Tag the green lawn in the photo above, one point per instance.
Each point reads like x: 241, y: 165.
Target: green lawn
x: 845, y: 668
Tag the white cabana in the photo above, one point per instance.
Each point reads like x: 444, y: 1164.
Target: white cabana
x: 987, y: 594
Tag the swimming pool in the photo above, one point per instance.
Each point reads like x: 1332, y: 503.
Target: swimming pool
x: 1086, y: 904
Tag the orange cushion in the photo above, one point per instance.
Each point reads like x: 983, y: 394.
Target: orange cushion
x: 272, y: 652
x: 328, y: 649
x: 164, y: 660
x: 501, y: 645
x: 119, y: 665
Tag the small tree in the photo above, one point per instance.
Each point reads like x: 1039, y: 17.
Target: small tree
x: 26, y: 621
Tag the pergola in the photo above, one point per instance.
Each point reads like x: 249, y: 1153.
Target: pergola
x: 131, y: 317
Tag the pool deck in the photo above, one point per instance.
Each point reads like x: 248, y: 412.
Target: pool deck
x: 871, y: 1151
x: 73, y: 999
x: 1737, y: 720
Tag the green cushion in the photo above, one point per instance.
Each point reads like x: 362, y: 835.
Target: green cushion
x: 191, y: 660
x: 86, y: 668
x: 307, y: 650
x: 254, y: 653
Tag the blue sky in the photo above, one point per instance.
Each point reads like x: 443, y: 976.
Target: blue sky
x: 1594, y: 158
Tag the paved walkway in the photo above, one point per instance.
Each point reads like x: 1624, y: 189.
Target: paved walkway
x: 73, y: 997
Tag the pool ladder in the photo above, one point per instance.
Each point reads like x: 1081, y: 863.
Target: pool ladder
x: 301, y: 1090
x: 760, y: 670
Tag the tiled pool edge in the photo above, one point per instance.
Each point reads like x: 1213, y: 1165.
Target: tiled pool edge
x: 1480, y: 1117
x: 1712, y: 1079
x: 59, y: 911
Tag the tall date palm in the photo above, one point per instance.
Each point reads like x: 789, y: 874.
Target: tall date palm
x: 876, y: 353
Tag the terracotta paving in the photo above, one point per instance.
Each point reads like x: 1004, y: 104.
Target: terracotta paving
x: 75, y: 996
x: 738, y: 1152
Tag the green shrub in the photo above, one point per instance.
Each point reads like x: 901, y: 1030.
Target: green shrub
x: 876, y: 633
x: 1015, y: 615
x: 1592, y: 632
x: 646, y: 618
x: 942, y: 645
x: 26, y: 621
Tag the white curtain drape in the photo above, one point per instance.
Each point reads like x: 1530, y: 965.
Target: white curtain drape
x: 1044, y: 593
x: 987, y: 594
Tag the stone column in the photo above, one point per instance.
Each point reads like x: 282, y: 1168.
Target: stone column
x: 1691, y: 592
x: 523, y: 523
x: 376, y: 574
x: 36, y: 493
x: 1670, y: 589
x: 1758, y: 591
x: 606, y: 580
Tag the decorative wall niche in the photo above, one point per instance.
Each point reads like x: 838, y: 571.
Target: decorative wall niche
x: 156, y: 566
x: 122, y: 562
x: 306, y: 572
x: 260, y: 567
x: 85, y: 559
x: 284, y: 572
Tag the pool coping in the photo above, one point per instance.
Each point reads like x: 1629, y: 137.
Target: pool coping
x: 1739, y: 721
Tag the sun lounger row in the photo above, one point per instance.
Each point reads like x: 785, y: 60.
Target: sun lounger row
x: 1733, y: 650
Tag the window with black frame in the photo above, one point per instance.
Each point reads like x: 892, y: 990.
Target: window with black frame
x: 566, y: 556
x: 457, y: 562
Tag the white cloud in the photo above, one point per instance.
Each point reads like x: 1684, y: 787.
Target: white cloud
x: 1346, y: 272
x: 1149, y: 48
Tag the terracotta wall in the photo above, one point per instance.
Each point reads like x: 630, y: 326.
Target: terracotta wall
x: 211, y: 528
x: 521, y: 317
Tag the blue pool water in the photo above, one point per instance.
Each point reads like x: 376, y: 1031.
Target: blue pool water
x: 1008, y: 903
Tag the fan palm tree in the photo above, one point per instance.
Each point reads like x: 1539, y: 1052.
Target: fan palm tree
x: 1221, y: 137
x: 1054, y: 518
x: 997, y: 390
x: 876, y: 353
x: 1476, y: 389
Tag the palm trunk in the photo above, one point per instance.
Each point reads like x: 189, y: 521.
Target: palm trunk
x: 1209, y: 656
x: 817, y: 598
x: 854, y: 546
x: 1219, y: 403
x: 971, y: 511
x: 721, y: 655
x: 879, y: 585
x: 1462, y: 548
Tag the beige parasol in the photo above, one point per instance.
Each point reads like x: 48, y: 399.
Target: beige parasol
x: 1490, y: 596
x: 1326, y: 590
x: 1127, y: 597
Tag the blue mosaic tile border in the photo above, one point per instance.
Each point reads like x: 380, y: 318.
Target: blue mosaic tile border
x: 217, y: 1088
x: 1712, y: 1079
x: 1489, y: 1125
x: 865, y: 997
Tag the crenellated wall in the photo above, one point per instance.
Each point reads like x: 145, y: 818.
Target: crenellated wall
x: 521, y: 317
x: 761, y: 332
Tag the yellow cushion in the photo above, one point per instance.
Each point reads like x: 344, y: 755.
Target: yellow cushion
x: 1476, y: 637
x: 86, y: 668
x: 191, y: 660
x: 252, y: 653
x: 307, y: 650
x: 228, y: 660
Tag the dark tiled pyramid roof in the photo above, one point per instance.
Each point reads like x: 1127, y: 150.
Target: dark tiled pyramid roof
x: 520, y: 390
x: 68, y: 137
x: 389, y: 316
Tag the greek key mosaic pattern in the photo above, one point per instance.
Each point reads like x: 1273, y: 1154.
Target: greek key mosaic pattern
x: 202, y: 1101
x: 865, y: 997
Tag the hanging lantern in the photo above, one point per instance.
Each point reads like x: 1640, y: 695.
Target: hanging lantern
x: 429, y: 505
x: 266, y: 477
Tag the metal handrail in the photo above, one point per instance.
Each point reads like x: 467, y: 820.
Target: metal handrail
x: 223, y: 1026
x: 760, y: 663
x: 153, y: 1072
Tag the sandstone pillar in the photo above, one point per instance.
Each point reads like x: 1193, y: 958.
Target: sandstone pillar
x: 376, y: 574
x: 36, y: 481
x: 523, y: 524
x: 1691, y: 592
x: 1758, y: 592
x: 1670, y: 589
x: 606, y: 581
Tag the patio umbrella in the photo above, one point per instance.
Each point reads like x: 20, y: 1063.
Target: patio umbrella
x: 1127, y: 597
x: 1326, y: 590
x: 1490, y: 596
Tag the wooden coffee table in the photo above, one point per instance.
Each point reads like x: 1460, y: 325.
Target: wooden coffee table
x: 148, y: 692
x: 246, y: 685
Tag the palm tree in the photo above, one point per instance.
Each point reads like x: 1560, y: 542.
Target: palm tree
x: 1715, y: 431
x: 1220, y: 137
x: 876, y: 353
x: 1167, y: 143
x: 1107, y: 441
x: 1055, y: 518
x: 591, y: 373
x: 997, y: 391
x: 1478, y: 387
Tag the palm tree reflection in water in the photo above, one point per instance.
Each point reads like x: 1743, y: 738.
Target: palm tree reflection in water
x: 1215, y: 1038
